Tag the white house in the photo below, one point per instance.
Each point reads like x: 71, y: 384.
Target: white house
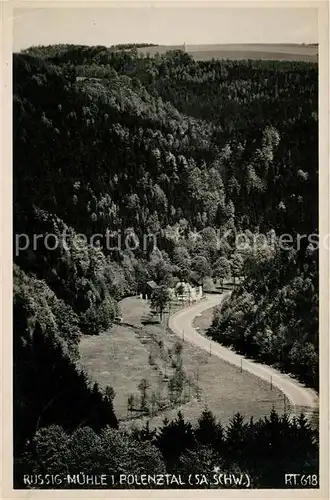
x: 184, y: 292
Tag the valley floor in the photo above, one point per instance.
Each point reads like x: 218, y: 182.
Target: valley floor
x: 121, y: 357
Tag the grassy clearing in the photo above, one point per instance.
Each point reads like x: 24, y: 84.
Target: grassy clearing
x: 117, y: 358
x: 121, y: 358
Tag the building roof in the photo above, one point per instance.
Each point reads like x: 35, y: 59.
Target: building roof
x: 152, y: 284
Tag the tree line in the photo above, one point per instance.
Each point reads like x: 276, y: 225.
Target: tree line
x: 265, y: 450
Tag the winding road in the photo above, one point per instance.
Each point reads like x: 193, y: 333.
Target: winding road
x: 181, y: 323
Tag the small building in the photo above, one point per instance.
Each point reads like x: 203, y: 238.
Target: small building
x: 148, y: 288
x: 184, y: 292
x: 92, y: 78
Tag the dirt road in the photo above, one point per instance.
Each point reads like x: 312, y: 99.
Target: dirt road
x: 181, y: 323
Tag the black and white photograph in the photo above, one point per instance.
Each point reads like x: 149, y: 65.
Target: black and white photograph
x: 166, y: 244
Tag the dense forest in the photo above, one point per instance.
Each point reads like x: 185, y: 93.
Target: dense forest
x: 110, y: 142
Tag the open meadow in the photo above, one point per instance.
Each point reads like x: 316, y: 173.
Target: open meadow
x: 275, y: 52
x: 129, y: 352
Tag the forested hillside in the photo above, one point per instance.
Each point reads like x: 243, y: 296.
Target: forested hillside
x: 186, y: 151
